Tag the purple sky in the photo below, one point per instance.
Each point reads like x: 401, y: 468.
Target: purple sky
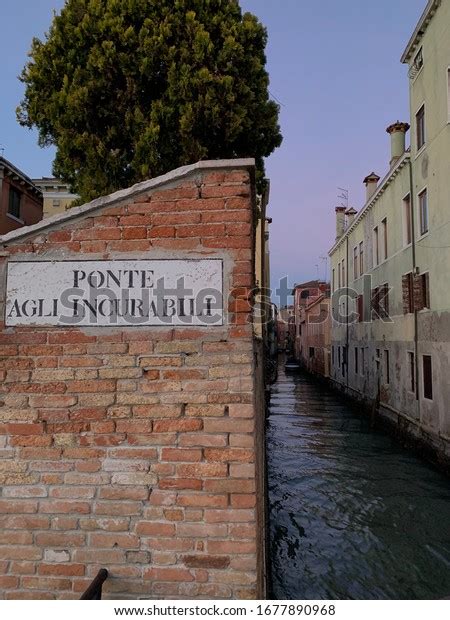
x: 335, y: 68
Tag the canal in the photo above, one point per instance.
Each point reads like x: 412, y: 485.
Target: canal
x: 352, y: 514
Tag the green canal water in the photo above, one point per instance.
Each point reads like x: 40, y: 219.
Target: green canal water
x: 352, y: 514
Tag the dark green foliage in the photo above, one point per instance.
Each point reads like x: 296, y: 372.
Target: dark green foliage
x: 130, y: 89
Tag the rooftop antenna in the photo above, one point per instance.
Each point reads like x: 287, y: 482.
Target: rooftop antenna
x: 343, y: 197
x: 2, y: 150
x: 324, y: 259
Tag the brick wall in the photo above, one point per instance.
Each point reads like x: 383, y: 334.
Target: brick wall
x: 134, y: 448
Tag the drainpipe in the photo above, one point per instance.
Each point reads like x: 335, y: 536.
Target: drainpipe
x: 414, y: 267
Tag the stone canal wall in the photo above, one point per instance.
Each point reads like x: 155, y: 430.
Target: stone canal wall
x: 132, y: 447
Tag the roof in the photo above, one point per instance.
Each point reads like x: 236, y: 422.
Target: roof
x: 126, y: 194
x: 390, y: 176
x: 310, y: 284
x: 5, y: 164
x: 420, y: 29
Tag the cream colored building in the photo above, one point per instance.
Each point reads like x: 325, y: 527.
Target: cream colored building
x: 391, y: 327
x: 57, y: 195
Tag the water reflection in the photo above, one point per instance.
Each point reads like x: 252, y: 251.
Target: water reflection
x: 353, y: 515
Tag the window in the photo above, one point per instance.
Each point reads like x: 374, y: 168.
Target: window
x: 356, y: 361
x: 384, y: 239
x: 423, y: 212
x: 383, y: 301
x: 408, y: 293
x: 425, y: 280
x: 339, y: 357
x: 411, y: 371
x: 56, y: 203
x: 363, y: 360
x: 339, y: 275
x: 14, y: 202
x: 311, y: 352
x: 343, y: 273
x: 386, y: 369
x: 333, y: 278
x: 418, y: 61
x: 344, y: 360
x: 360, y: 308
x: 377, y: 361
x: 355, y: 263
x: 375, y: 303
x: 361, y: 258
x: 427, y: 377
x: 420, y: 127
x: 407, y: 224
x: 376, y: 249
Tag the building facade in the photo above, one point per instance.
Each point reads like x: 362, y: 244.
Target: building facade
x: 389, y: 264
x: 312, y: 321
x: 283, y: 327
x: 57, y: 196
x: 20, y: 198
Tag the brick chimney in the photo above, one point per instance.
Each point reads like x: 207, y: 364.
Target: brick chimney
x: 340, y: 221
x: 397, y: 131
x: 371, y: 183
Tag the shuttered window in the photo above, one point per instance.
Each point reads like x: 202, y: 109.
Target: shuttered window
x: 427, y: 377
x: 407, y: 293
x: 14, y: 202
x: 420, y: 127
x: 360, y: 308
x: 411, y: 371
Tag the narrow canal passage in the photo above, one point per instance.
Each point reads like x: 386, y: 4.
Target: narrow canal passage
x: 353, y: 515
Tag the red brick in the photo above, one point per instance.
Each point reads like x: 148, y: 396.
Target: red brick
x: 54, y: 507
x: 243, y: 501
x: 164, y: 426
x: 49, y: 584
x: 8, y: 582
x: 72, y: 337
x: 135, y: 232
x: 135, y: 220
x: 230, y: 546
x: 201, y: 500
x: 201, y: 230
x: 60, y: 539
x: 168, y: 574
x: 68, y: 570
x: 206, y: 561
x: 114, y: 540
x: 176, y: 193
x: 229, y: 455
x: 150, y: 528
x: 230, y: 486
x: 100, y: 385
x: 203, y: 440
x: 25, y: 429
x: 202, y: 470
x: 165, y: 219
x: 180, y: 484
x: 161, y: 231
x: 180, y: 454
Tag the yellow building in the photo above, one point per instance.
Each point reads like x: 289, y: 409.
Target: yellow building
x: 390, y: 261
x: 57, y: 195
